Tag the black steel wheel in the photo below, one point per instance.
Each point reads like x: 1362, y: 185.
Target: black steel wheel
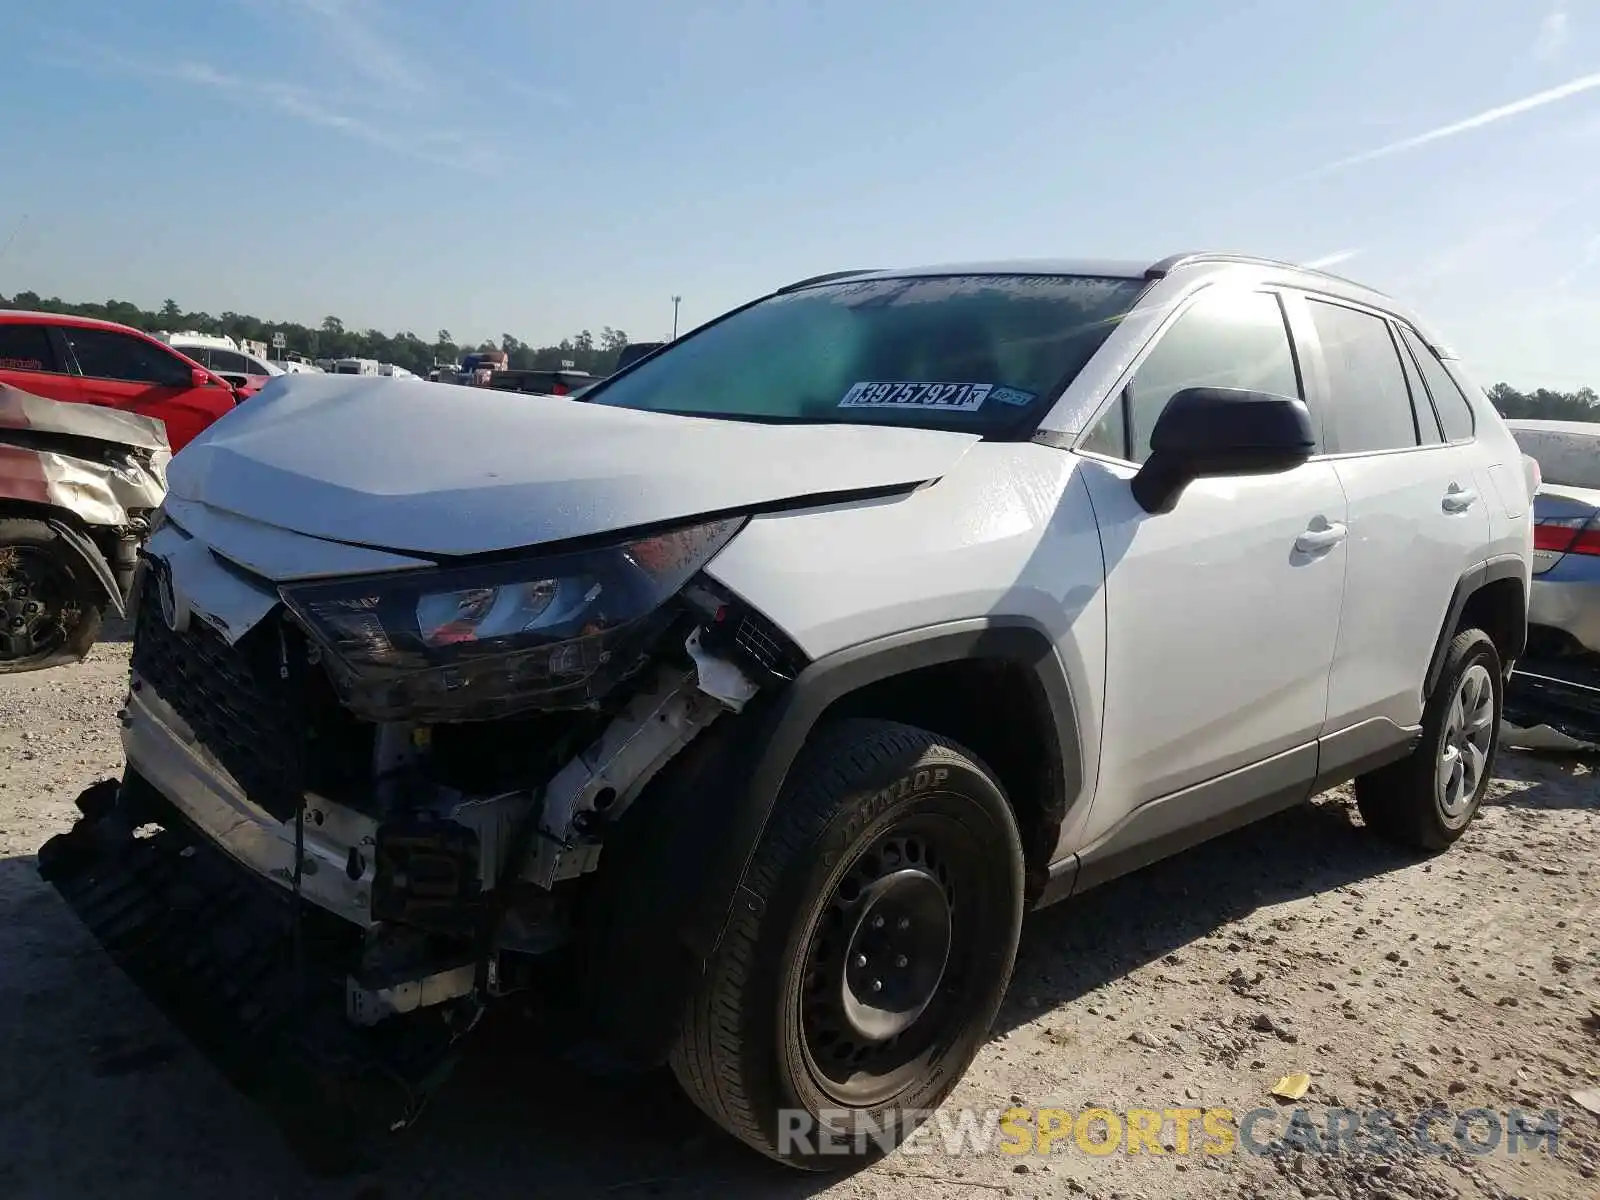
x: 834, y: 1020
x: 47, y: 613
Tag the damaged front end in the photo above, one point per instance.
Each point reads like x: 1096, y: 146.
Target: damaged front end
x: 78, y: 485
x: 357, y: 812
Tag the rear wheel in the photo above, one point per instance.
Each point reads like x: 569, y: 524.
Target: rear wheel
x: 48, y: 609
x: 1426, y: 800
x: 831, y: 1022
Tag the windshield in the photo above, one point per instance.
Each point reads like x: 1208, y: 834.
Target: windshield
x: 984, y: 354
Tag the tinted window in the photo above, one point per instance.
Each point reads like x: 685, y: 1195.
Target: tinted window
x: 200, y: 354
x: 1224, y: 339
x: 983, y: 353
x: 26, y: 348
x: 1454, y: 410
x: 227, y: 360
x: 636, y: 351
x: 1110, y: 433
x: 1427, y: 423
x: 1371, y: 407
x: 105, y: 354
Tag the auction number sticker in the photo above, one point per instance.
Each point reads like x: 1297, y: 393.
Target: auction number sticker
x: 956, y: 397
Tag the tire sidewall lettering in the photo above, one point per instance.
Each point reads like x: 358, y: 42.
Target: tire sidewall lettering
x: 915, y: 782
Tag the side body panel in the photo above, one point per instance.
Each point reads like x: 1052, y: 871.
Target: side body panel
x: 1407, y: 552
x: 1419, y: 523
x: 1007, y: 534
x: 1221, y: 630
x: 185, y: 410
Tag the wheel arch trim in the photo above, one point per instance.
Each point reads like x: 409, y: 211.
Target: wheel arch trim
x: 1493, y: 570
x: 843, y: 672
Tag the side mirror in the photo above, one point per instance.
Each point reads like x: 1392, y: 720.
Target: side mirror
x: 1210, y: 431
x: 201, y: 378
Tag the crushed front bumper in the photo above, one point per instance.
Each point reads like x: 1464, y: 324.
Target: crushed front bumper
x: 1563, y: 693
x: 257, y: 983
x: 337, y: 864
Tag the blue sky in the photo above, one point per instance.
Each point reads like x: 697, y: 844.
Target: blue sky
x: 537, y: 168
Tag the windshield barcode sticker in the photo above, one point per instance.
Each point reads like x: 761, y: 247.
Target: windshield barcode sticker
x: 960, y: 397
x: 1011, y: 395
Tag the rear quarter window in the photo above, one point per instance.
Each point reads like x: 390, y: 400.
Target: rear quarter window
x: 1455, y: 413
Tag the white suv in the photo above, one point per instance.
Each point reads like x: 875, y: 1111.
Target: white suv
x: 741, y: 709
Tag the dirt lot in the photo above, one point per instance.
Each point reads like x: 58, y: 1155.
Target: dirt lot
x: 1468, y: 981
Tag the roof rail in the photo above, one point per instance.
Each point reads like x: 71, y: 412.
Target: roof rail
x: 1159, y: 270
x: 829, y: 277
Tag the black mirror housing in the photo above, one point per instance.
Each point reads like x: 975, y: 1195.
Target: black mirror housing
x: 1212, y: 431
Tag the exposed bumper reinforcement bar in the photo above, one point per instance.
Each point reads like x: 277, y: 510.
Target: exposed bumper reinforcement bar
x: 212, y: 946
x: 164, y: 751
x: 1561, y: 693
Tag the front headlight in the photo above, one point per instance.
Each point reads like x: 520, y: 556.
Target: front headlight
x: 487, y: 640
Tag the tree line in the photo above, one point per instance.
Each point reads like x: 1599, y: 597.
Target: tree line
x: 586, y: 352
x: 331, y: 339
x: 1581, y: 405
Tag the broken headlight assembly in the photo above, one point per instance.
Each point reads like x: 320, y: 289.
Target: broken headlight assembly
x: 493, y: 639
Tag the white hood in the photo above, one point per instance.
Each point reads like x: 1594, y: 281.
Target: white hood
x: 434, y: 469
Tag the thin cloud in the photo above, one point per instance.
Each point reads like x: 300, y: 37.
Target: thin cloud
x: 1331, y: 260
x: 1554, y: 32
x: 292, y: 100
x: 350, y: 27
x: 549, y: 97
x: 1490, y: 116
x: 1499, y: 239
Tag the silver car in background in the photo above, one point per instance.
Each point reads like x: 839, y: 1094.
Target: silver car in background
x: 1558, y: 681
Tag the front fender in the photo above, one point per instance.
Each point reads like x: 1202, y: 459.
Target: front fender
x: 674, y: 870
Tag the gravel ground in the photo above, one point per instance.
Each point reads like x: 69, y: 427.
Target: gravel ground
x: 1471, y: 980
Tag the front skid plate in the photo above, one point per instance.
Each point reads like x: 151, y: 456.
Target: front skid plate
x: 212, y: 947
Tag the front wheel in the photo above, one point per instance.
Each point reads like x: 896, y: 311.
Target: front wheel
x: 1426, y: 800
x: 49, y: 612
x: 831, y: 1022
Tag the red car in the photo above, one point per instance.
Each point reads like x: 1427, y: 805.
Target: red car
x: 78, y: 359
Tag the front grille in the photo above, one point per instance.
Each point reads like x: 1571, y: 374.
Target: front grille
x: 232, y: 697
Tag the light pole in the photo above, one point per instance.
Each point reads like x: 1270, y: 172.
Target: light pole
x: 676, y: 300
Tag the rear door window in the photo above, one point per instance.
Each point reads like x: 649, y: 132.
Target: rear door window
x: 1371, y: 403
x: 107, y: 354
x: 1455, y: 412
x: 26, y: 348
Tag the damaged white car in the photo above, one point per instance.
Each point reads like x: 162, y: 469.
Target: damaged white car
x: 78, y: 486
x: 738, y: 711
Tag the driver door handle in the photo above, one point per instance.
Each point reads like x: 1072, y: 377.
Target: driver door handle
x: 1458, y: 499
x: 1314, y: 541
